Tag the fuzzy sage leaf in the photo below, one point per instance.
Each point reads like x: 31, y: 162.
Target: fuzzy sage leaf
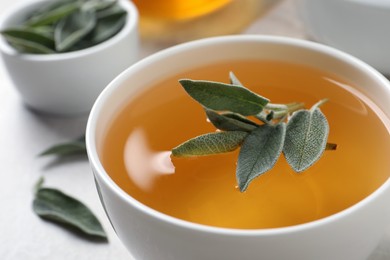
x: 306, y: 139
x: 228, y: 123
x: 259, y: 153
x: 108, y: 25
x: 212, y: 143
x: 300, y: 134
x: 54, y: 205
x: 224, y: 97
x: 52, y: 14
x: 71, y: 30
x: 66, y: 25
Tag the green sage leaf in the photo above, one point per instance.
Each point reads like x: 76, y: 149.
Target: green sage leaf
x: 53, y: 13
x: 54, y: 205
x: 76, y: 147
x: 306, y: 138
x: 225, y: 97
x: 228, y: 123
x: 107, y: 27
x: 26, y: 46
x: 111, y: 11
x: 73, y: 28
x: 259, y: 153
x: 212, y: 143
x: 98, y: 5
x: 45, y: 30
x: 31, y: 35
x: 239, y: 118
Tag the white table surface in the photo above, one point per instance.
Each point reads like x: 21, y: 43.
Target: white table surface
x: 23, y: 134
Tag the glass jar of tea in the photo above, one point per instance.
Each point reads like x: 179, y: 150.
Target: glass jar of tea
x: 175, y: 21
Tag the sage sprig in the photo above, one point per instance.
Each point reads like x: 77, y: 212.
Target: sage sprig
x: 56, y: 206
x: 300, y: 134
x: 66, y: 25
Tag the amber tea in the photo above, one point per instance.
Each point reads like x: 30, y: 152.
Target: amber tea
x: 136, y: 151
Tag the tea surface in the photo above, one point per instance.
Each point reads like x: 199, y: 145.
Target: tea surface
x: 203, y: 190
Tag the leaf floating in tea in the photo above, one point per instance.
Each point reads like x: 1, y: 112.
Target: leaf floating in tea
x: 76, y: 147
x: 306, y: 139
x: 54, y: 205
x: 225, y: 97
x: 302, y: 141
x: 213, y: 143
x: 227, y: 122
x: 259, y: 152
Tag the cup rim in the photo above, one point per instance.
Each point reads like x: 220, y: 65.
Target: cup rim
x: 130, y: 25
x: 120, y: 79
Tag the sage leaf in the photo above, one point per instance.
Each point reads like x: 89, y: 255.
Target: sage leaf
x: 227, y: 123
x: 107, y: 27
x: 27, y: 46
x: 225, y: 97
x: 30, y: 34
x: 45, y: 30
x: 98, y: 5
x: 52, y: 14
x: 306, y: 138
x: 259, y: 153
x: 76, y: 147
x: 239, y: 118
x: 112, y: 11
x: 212, y: 143
x: 73, y: 28
x: 54, y: 205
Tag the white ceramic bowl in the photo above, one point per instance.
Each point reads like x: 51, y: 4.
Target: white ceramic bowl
x: 358, y: 27
x: 68, y: 83
x: 148, y: 234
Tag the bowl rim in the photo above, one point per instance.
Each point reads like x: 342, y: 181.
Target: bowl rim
x: 159, y: 216
x: 130, y: 26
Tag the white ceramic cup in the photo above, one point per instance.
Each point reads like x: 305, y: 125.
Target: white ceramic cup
x: 348, y: 235
x: 68, y: 83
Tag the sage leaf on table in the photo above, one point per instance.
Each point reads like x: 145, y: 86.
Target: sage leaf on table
x: 306, y: 139
x: 56, y: 206
x: 75, y: 147
x: 289, y: 128
x: 225, y: 97
x: 212, y: 143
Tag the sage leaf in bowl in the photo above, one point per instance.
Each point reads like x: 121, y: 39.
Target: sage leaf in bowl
x: 64, y: 26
